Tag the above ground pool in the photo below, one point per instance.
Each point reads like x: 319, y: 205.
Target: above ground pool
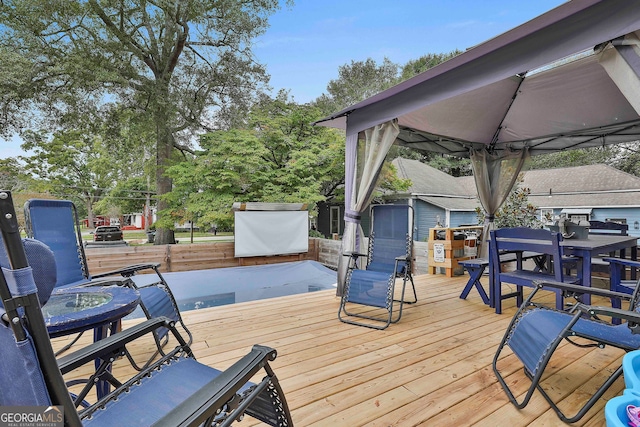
x: 219, y: 286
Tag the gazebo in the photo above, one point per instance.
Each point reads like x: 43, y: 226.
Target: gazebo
x: 566, y: 79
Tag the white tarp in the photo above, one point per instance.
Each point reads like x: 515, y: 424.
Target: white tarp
x: 259, y: 233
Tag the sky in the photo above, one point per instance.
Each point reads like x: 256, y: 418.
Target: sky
x: 307, y: 43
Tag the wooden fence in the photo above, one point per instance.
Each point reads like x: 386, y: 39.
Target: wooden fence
x: 184, y: 257
x: 200, y: 256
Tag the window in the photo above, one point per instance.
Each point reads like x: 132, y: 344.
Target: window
x: 577, y: 218
x: 546, y: 215
x: 334, y: 218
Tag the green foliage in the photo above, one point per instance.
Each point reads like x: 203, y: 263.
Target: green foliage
x: 316, y: 233
x: 422, y: 64
x: 101, y: 160
x: 278, y: 157
x: 577, y: 157
x: 362, y: 79
x: 71, y: 164
x: 454, y: 166
x: 628, y: 159
x: 389, y: 183
x: 357, y: 81
x: 516, y: 211
x: 625, y: 157
x: 13, y: 175
x: 180, y: 65
x: 20, y: 89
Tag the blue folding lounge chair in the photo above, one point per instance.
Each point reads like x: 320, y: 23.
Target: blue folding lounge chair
x: 175, y: 390
x: 55, y: 223
x: 389, y: 256
x: 536, y: 331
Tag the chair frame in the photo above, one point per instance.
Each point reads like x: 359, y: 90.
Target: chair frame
x: 578, y: 312
x: 347, y: 316
x: 220, y: 402
x: 160, y: 336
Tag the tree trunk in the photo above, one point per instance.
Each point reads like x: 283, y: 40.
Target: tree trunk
x: 164, y: 149
x: 89, y: 203
x: 148, y: 217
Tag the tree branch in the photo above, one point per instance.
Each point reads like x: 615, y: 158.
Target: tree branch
x: 124, y: 38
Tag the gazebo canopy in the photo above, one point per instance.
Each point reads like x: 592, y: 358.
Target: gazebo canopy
x: 566, y: 79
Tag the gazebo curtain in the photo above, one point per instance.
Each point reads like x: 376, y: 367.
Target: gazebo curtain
x: 363, y: 162
x: 621, y: 60
x: 495, y: 174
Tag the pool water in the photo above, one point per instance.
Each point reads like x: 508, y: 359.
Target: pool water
x: 199, y: 289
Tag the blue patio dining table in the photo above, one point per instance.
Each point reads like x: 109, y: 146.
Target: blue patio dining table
x: 596, y: 245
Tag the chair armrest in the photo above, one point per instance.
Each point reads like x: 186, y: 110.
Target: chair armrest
x: 403, y: 258
x: 623, y: 261
x: 581, y: 290
x: 214, y: 395
x: 129, y: 271
x: 112, y: 345
x: 632, y: 317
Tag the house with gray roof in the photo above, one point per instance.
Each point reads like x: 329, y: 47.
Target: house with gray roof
x: 592, y: 192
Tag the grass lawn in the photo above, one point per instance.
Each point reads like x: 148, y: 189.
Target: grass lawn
x: 132, y: 235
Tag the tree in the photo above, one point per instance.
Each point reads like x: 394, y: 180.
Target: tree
x: 128, y: 136
x: 71, y: 164
x: 357, y: 81
x: 181, y: 62
x: 363, y: 79
x: 452, y: 165
x: 629, y: 158
x: 422, y: 64
x: 578, y: 157
x: 21, y: 88
x: 13, y: 176
x: 516, y: 211
x: 277, y: 157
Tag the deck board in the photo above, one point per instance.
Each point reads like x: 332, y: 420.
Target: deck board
x: 433, y: 368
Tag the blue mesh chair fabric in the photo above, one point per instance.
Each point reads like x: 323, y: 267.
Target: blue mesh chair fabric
x: 389, y: 256
x: 44, y: 271
x: 536, y: 331
x: 53, y: 223
x: 21, y: 381
x: 370, y: 288
x: 389, y: 237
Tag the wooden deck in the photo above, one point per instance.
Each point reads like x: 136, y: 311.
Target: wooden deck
x: 433, y: 368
